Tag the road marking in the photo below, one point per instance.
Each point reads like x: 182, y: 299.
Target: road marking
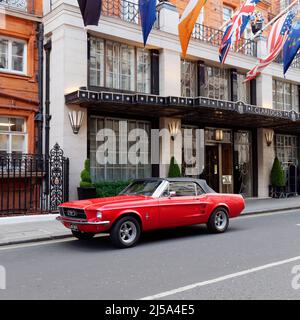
x: 298, y: 225
x: 220, y: 279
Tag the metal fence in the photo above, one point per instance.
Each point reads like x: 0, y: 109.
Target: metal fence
x: 125, y: 10
x: 214, y: 37
x: 32, y: 183
x: 295, y: 64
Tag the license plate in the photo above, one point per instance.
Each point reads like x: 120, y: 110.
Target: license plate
x: 73, y: 227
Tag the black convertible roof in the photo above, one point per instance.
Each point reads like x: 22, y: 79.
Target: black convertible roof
x: 202, y: 183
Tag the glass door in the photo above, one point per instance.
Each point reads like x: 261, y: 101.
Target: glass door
x: 243, y: 163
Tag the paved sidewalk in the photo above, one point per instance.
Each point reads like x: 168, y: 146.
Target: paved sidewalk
x: 42, y: 228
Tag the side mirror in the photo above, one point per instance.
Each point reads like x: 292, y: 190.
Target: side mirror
x: 172, y: 194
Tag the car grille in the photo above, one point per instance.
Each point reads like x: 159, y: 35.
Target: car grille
x: 73, y: 213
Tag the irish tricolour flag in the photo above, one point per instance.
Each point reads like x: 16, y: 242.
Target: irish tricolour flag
x: 187, y: 22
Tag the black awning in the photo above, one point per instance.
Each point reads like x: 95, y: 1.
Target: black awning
x: 194, y: 110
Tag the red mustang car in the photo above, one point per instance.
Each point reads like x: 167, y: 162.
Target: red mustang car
x: 150, y: 204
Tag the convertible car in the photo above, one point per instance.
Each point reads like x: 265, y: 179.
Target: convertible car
x: 150, y: 204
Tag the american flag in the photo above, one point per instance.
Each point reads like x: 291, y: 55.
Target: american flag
x: 276, y: 39
x: 236, y: 27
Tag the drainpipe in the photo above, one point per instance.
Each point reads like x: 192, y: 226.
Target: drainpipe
x: 39, y: 118
x: 48, y: 47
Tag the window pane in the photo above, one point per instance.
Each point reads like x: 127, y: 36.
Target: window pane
x: 3, y: 54
x: 17, y: 143
x: 143, y: 71
x: 183, y: 189
x: 4, y: 124
x: 17, y: 56
x: 4, y: 142
x: 17, y: 124
x: 97, y: 63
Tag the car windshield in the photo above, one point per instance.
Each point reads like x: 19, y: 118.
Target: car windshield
x: 142, y: 187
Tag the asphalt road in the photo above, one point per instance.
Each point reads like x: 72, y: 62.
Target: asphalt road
x: 253, y: 260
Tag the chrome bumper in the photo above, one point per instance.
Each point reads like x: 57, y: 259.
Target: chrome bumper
x: 83, y: 222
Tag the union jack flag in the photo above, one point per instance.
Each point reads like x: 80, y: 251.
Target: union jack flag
x: 236, y: 27
x: 276, y: 39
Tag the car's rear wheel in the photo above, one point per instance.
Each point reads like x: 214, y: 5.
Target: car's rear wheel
x: 82, y: 235
x: 218, y: 221
x: 126, y: 232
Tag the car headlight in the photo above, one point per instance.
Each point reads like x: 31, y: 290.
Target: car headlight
x: 99, y: 215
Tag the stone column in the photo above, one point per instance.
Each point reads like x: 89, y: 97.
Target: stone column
x: 168, y: 17
x: 170, y: 73
x: 68, y: 72
x: 266, y: 155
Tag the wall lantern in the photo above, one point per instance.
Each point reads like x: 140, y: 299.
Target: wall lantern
x: 219, y: 135
x: 76, y: 120
x: 174, y: 129
x: 269, y: 138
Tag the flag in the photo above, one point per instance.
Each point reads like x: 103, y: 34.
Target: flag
x: 236, y: 27
x: 291, y: 46
x: 275, y: 42
x: 148, y: 16
x: 90, y: 11
x: 187, y: 22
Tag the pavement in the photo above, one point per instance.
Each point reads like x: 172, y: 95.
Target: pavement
x: 257, y: 258
x: 14, y: 230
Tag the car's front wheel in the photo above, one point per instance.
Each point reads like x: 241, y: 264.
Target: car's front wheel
x: 218, y: 221
x: 82, y: 235
x: 126, y: 232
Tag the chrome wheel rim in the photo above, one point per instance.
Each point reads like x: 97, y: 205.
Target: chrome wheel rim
x: 221, y: 220
x: 128, y: 232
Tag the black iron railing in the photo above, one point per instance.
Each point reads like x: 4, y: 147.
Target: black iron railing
x: 125, y: 10
x: 214, y: 37
x: 295, y: 64
x: 32, y: 183
x: 20, y: 5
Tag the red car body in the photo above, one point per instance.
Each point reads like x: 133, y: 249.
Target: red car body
x: 151, y: 212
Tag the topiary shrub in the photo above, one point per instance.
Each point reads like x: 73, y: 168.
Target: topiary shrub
x: 85, y: 175
x: 174, y: 170
x: 277, y: 174
x: 110, y: 189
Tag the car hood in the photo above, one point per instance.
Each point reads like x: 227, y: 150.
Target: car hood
x: 100, y: 202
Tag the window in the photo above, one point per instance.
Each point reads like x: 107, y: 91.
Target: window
x: 285, y: 96
x: 227, y: 13
x: 216, y: 83
x: 117, y: 171
x: 284, y: 4
x: 13, y: 135
x: 243, y: 92
x: 188, y: 78
x: 143, y: 71
x: 12, y: 55
x: 183, y: 189
x: 119, y: 66
x: 287, y: 149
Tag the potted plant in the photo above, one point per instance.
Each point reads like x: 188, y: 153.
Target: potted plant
x: 174, y: 170
x: 86, y: 190
x: 277, y: 179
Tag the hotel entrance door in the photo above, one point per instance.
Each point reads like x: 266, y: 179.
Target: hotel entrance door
x: 212, y: 166
x: 219, y: 159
